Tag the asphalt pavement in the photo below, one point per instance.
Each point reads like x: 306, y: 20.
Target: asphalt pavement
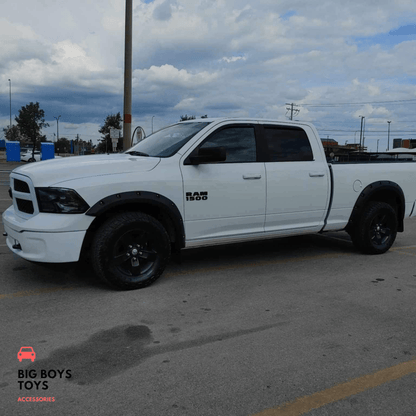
x: 293, y: 326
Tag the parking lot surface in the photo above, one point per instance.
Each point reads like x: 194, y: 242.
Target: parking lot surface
x: 301, y: 325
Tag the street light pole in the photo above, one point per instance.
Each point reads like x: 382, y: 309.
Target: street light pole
x: 361, y: 130
x: 10, y: 93
x: 128, y: 52
x: 57, y: 127
x: 364, y: 134
x: 388, y: 136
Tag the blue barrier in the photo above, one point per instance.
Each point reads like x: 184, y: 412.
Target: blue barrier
x: 13, y: 151
x: 47, y: 151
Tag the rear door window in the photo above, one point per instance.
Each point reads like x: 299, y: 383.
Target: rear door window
x: 287, y: 144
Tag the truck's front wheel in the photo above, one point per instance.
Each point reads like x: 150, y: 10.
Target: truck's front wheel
x: 130, y: 250
x: 377, y: 228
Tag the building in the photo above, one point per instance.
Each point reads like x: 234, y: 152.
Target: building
x: 406, y: 143
x: 332, y: 146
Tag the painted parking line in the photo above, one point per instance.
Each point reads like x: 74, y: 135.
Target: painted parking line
x: 257, y: 264
x: 305, y: 404
x: 36, y: 292
x: 204, y: 270
x: 282, y: 261
x: 328, y: 237
x: 406, y: 253
x: 402, y: 248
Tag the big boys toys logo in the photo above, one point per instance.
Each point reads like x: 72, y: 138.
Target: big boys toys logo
x: 26, y: 353
x: 31, y: 379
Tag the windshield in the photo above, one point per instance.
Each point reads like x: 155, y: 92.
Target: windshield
x: 166, y: 142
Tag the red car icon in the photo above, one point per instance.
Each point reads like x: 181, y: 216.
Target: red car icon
x: 26, y: 353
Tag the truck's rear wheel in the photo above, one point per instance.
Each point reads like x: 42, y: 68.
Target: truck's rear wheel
x: 130, y: 250
x: 377, y: 228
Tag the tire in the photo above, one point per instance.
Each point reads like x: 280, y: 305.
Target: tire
x: 32, y: 159
x: 376, y: 230
x: 130, y: 250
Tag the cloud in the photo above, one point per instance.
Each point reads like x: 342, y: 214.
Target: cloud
x: 169, y: 76
x: 163, y: 11
x: 215, y: 57
x: 234, y: 59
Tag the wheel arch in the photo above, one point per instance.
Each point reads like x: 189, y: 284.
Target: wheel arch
x: 382, y: 191
x: 153, y: 204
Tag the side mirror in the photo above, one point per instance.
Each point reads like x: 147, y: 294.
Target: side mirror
x: 206, y: 155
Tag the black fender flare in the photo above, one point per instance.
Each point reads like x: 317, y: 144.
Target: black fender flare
x: 383, y: 191
x: 143, y: 198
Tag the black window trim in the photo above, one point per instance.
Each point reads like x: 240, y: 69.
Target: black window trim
x: 260, y: 142
x: 265, y: 147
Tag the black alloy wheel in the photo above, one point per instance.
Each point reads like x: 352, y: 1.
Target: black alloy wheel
x: 377, y: 228
x: 130, y: 250
x: 134, y: 253
x: 380, y: 231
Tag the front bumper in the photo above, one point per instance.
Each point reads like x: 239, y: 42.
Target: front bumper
x: 45, y: 247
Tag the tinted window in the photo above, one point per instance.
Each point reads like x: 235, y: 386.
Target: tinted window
x: 239, y: 143
x: 287, y: 144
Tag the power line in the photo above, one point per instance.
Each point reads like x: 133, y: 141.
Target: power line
x: 360, y: 103
x: 396, y: 121
x: 368, y: 131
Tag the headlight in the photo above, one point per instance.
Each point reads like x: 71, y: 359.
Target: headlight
x: 60, y: 201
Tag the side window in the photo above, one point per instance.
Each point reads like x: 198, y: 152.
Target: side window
x: 287, y: 144
x: 239, y: 143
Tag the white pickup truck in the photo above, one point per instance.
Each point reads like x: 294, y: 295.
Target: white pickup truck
x: 199, y: 183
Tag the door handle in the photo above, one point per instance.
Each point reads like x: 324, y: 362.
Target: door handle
x: 251, y: 176
x: 316, y: 174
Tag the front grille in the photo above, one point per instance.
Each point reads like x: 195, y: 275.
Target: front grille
x: 24, y: 205
x: 24, y: 197
x: 21, y: 186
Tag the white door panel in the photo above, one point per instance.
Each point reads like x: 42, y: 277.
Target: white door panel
x: 235, y: 199
x: 297, y: 196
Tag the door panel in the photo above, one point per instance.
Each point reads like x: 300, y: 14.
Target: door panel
x: 297, y: 185
x: 294, y: 198
x: 228, y: 198
x: 233, y: 205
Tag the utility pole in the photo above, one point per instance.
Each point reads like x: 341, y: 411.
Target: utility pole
x: 128, y: 52
x: 388, y: 136
x: 364, y: 135
x: 361, y: 130
x: 10, y: 93
x: 57, y: 127
x: 292, y: 110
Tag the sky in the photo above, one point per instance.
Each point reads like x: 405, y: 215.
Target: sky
x: 335, y: 60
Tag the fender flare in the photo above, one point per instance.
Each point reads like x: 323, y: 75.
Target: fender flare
x: 379, y: 191
x: 146, y: 198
